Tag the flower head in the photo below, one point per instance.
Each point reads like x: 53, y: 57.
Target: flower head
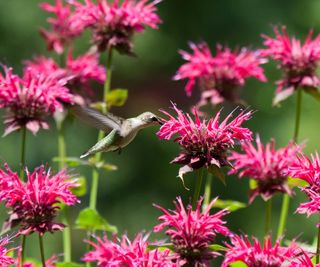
x: 5, y: 260
x: 62, y: 32
x: 113, y: 24
x: 34, y: 203
x: 204, y: 143
x: 303, y: 261
x: 308, y: 169
x: 266, y: 165
x: 30, y: 99
x: 298, y: 61
x: 219, y: 76
x: 192, y: 231
x: 254, y: 255
x: 112, y: 253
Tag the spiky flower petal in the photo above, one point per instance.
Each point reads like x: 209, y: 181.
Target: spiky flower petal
x: 5, y: 259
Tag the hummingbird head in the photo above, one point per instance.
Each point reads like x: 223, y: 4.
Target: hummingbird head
x: 149, y: 118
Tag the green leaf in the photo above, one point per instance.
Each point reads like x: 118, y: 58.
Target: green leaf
x: 295, y: 182
x: 218, y: 173
x: 116, y: 97
x: 253, y: 184
x: 68, y: 264
x: 81, y: 189
x: 314, y: 92
x: 217, y: 247
x: 101, y: 106
x: 90, y: 219
x: 238, y: 264
x: 231, y: 205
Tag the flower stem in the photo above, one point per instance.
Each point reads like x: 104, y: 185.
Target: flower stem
x: 197, y: 188
x: 43, y: 259
x: 95, y: 173
x: 207, y: 191
x: 23, y: 152
x: 23, y: 245
x: 268, y: 216
x: 318, y: 247
x: 286, y: 200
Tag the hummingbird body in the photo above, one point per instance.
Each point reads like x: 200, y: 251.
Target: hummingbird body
x: 123, y: 131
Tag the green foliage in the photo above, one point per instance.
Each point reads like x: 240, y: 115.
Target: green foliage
x: 217, y: 247
x: 68, y: 264
x: 231, y: 205
x: 238, y: 264
x: 295, y: 182
x: 116, y: 97
x: 90, y: 220
x: 81, y: 189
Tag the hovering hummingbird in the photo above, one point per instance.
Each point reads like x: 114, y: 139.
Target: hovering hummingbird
x: 123, y: 131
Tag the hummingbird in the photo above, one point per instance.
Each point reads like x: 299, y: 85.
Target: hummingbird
x: 121, y: 131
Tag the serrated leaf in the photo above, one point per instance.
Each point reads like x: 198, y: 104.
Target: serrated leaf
x: 253, y: 184
x: 90, y: 219
x: 231, y: 205
x: 81, y: 189
x: 238, y: 264
x: 116, y: 97
x: 314, y: 92
x: 217, y: 173
x: 217, y: 247
x: 68, y: 264
x: 295, y: 182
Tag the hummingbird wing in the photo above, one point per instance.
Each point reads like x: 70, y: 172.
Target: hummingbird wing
x: 95, y: 118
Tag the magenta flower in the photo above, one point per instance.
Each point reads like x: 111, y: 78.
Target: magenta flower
x: 34, y: 203
x: 30, y: 99
x: 303, y: 261
x: 308, y: 170
x: 5, y: 260
x: 192, y: 231
x: 204, y: 143
x: 254, y: 255
x: 220, y: 76
x: 114, y: 24
x: 107, y: 253
x: 62, y: 32
x: 266, y: 165
x: 298, y: 62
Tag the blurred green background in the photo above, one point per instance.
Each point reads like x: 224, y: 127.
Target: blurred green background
x: 145, y: 175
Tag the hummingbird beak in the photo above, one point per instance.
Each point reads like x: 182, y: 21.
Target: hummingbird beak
x: 160, y: 120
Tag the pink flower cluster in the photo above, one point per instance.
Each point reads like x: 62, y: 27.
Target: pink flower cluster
x: 298, y: 61
x: 5, y: 259
x: 113, y: 24
x: 107, y: 253
x: 266, y: 165
x: 34, y: 203
x: 219, y: 76
x: 204, y: 143
x: 192, y: 231
x: 62, y: 32
x: 308, y: 170
x: 254, y: 255
x: 30, y: 99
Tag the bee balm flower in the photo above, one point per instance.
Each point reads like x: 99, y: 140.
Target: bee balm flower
x: 204, y: 143
x: 34, y: 203
x: 5, y: 260
x: 192, y: 232
x: 266, y: 165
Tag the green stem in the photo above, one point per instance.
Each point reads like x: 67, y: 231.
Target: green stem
x: 95, y: 173
x: 268, y: 217
x: 207, y: 191
x: 43, y: 259
x: 23, y: 152
x: 286, y: 199
x: 318, y: 246
x: 197, y: 189
x: 23, y: 245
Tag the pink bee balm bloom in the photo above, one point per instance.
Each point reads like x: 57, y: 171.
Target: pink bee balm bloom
x: 204, y: 143
x: 107, y: 253
x: 192, y: 231
x: 219, y: 76
x: 34, y: 203
x: 266, y: 165
x: 113, y: 24
x: 308, y: 170
x: 303, y: 261
x: 30, y: 99
x: 254, y: 255
x: 62, y: 32
x: 5, y: 260
x: 298, y: 62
